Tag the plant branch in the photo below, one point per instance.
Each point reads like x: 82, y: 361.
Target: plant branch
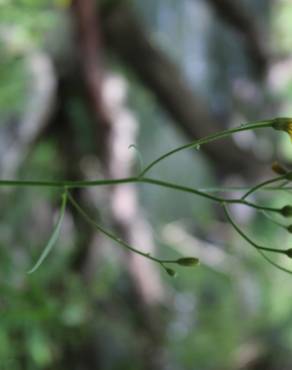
x: 165, y: 184
x: 114, y: 237
x: 259, y: 248
x: 155, y: 70
x: 264, y: 183
x: 210, y: 138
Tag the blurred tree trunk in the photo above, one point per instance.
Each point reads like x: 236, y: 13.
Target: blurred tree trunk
x: 155, y: 71
x: 112, y: 129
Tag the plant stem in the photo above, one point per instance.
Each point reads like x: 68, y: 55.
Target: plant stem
x: 66, y: 183
x: 264, y: 183
x: 205, y: 195
x: 85, y: 183
x: 266, y: 214
x: 240, y: 232
x: 209, y: 139
x: 259, y: 248
x: 279, y: 267
x: 112, y: 236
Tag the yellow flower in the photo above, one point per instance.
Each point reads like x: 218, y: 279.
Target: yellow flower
x: 283, y: 124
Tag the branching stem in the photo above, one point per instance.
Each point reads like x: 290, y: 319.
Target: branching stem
x: 209, y: 139
x: 259, y: 248
x: 146, y: 180
x: 278, y: 124
x: 110, y: 235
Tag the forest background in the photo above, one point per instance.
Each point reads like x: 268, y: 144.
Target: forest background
x: 91, y: 90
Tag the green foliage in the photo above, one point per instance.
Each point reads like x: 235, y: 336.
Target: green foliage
x: 13, y: 80
x: 38, y: 343
x: 212, y: 312
x: 282, y: 28
x: 24, y: 24
x: 33, y: 323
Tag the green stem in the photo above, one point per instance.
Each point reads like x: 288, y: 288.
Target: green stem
x: 141, y: 179
x: 259, y: 248
x: 263, y: 184
x: 205, y: 195
x: 68, y: 184
x: 240, y: 232
x: 112, y: 236
x: 279, y: 267
x: 85, y: 183
x: 209, y: 139
x: 266, y: 214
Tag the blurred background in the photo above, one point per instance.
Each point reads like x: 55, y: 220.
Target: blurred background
x: 82, y: 81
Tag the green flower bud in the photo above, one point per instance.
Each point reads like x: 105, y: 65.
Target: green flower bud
x: 289, y: 252
x: 188, y: 261
x: 170, y: 272
x: 286, y: 211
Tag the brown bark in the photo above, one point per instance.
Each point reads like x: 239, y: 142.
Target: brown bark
x: 89, y: 51
x: 110, y: 130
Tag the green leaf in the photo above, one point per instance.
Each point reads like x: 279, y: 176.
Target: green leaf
x: 51, y: 242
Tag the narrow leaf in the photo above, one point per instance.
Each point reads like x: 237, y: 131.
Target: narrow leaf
x: 55, y: 234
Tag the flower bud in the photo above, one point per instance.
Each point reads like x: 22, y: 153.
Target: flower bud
x: 278, y: 168
x: 286, y: 211
x: 283, y: 124
x: 170, y: 272
x: 187, y: 261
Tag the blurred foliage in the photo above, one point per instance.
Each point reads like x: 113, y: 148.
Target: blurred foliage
x: 282, y: 29
x: 213, y: 314
x: 24, y: 25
